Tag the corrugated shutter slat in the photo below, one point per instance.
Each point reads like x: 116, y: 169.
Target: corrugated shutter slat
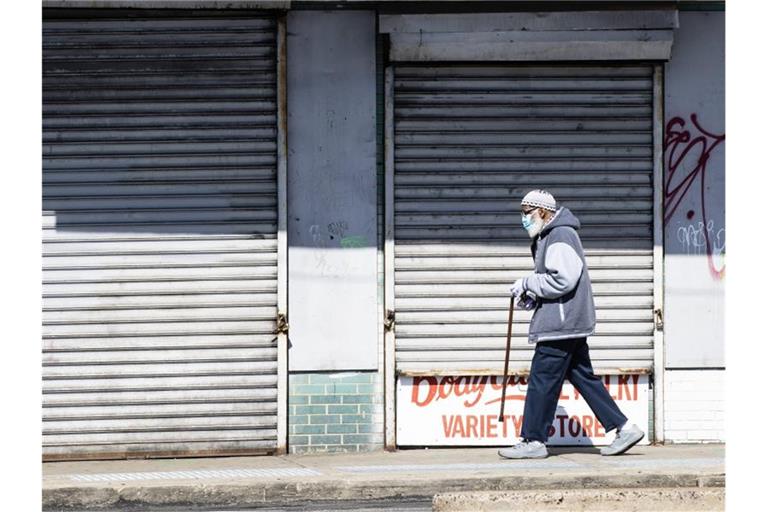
x: 470, y: 141
x: 159, y: 231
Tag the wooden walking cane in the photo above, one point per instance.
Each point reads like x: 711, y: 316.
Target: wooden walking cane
x: 506, y: 357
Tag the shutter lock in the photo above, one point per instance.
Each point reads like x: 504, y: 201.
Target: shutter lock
x: 282, y: 324
x: 389, y: 321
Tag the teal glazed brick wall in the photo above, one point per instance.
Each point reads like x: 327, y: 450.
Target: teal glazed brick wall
x: 335, y: 412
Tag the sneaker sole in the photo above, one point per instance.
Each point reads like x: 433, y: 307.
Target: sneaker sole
x: 543, y: 456
x: 626, y: 448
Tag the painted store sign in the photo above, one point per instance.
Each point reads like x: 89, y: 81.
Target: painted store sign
x: 464, y: 411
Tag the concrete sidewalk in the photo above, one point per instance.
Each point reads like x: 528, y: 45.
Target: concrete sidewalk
x: 406, y: 474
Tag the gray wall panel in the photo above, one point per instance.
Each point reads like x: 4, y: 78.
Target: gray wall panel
x: 694, y: 230
x: 332, y: 190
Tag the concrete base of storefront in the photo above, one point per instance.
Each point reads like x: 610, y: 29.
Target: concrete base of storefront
x: 447, y: 476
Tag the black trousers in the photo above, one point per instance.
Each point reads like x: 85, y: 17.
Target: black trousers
x: 553, y: 362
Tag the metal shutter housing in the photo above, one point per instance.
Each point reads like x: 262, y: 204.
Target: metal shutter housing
x: 470, y: 141
x: 160, y: 234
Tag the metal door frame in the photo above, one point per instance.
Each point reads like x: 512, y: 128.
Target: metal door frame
x: 657, y: 372
x: 282, y: 237
x: 390, y: 441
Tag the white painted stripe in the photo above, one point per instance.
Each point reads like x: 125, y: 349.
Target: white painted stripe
x: 197, y: 474
x: 457, y: 467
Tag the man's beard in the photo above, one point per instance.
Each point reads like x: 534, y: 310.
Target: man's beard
x: 538, y: 225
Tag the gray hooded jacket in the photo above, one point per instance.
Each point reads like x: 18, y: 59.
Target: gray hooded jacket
x: 565, y: 307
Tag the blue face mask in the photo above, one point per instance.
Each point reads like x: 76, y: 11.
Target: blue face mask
x: 527, y: 221
x: 532, y: 224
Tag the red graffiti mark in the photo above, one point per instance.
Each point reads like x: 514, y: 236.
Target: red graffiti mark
x: 678, y: 143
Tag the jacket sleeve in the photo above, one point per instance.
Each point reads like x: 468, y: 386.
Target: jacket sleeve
x: 564, y: 267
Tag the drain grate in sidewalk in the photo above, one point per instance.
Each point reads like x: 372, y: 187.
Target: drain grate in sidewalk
x: 197, y: 474
x: 532, y: 464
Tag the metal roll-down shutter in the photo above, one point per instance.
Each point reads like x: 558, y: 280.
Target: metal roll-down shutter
x: 470, y: 141
x: 159, y: 231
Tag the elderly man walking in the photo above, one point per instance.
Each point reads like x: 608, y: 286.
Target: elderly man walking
x: 560, y: 291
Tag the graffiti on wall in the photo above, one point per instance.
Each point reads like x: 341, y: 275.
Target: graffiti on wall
x: 687, y: 149
x: 694, y: 237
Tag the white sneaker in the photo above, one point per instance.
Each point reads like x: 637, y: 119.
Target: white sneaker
x: 525, y: 450
x: 626, y: 438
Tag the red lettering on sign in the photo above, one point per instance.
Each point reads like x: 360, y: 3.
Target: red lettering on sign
x: 636, y: 384
x: 477, y: 426
x: 491, y: 424
x: 623, y: 381
x: 460, y: 389
x: 431, y: 389
x: 478, y: 386
x: 486, y: 426
x: 470, y: 390
x: 472, y: 426
x: 448, y: 425
x: 607, y: 381
x: 444, y: 389
x: 587, y: 423
x: 511, y: 382
x: 518, y: 422
x: 458, y: 428
x: 504, y: 424
x: 624, y: 389
x: 447, y: 386
x: 599, y: 431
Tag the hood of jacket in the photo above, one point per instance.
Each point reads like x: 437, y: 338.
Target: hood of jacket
x: 563, y: 217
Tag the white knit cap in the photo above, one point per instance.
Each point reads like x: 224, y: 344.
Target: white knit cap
x: 539, y: 199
